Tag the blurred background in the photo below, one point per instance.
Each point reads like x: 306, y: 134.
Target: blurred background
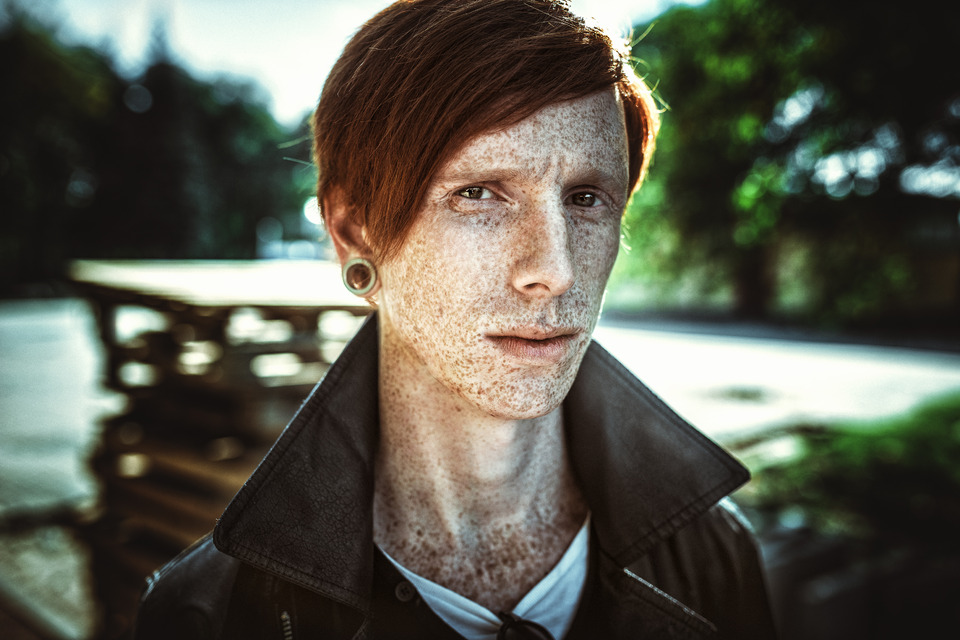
x: 789, y: 281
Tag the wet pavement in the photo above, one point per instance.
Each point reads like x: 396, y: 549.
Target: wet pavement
x: 51, y: 403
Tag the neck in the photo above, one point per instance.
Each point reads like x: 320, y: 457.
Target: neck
x: 461, y: 493
x: 467, y: 470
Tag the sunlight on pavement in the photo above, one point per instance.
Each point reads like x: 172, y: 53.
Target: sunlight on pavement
x: 731, y: 387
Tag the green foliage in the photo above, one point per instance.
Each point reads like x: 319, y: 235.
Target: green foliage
x: 757, y: 201
x: 788, y: 124
x: 164, y: 166
x: 885, y: 481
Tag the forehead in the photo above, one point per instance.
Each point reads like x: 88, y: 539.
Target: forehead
x: 587, y: 132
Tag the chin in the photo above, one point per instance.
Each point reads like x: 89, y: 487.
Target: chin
x: 520, y: 401
x: 519, y: 413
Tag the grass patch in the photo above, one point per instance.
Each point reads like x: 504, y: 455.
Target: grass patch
x: 886, y: 482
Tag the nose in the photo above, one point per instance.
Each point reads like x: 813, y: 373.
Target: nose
x: 544, y: 266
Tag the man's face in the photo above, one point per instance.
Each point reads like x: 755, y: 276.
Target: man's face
x: 498, y: 286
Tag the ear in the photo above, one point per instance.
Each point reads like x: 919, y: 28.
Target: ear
x: 345, y: 232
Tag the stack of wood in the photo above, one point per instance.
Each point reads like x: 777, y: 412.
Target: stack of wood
x: 214, y: 359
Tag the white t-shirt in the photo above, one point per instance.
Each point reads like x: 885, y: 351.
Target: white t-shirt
x: 551, y: 603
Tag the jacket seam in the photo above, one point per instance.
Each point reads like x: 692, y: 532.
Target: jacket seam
x: 258, y: 559
x: 308, y: 411
x: 692, y: 619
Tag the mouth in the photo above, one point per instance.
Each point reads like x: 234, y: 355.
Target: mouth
x: 535, y: 344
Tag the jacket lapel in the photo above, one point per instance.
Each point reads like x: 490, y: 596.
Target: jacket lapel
x: 645, y: 471
x: 305, y: 513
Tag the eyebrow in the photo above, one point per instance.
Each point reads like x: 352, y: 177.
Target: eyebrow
x: 479, y: 175
x: 590, y: 175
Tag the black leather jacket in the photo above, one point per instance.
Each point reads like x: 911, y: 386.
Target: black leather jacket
x: 293, y: 555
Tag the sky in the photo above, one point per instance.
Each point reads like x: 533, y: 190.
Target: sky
x: 288, y: 46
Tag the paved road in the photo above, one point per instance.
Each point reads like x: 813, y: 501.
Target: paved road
x: 734, y: 385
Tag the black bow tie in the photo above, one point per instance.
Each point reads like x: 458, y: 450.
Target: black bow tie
x: 514, y: 628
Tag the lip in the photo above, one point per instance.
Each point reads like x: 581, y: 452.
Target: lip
x: 535, y: 344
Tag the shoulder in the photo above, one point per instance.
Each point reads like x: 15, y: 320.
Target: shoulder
x: 188, y: 597
x: 722, y: 530
x: 716, y: 548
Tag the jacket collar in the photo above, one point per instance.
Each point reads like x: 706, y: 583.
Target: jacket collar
x: 305, y: 513
x: 645, y: 471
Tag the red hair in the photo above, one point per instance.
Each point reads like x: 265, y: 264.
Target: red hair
x: 423, y: 77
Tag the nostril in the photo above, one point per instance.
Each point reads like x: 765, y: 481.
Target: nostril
x: 551, y: 278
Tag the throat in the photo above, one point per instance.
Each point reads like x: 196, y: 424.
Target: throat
x: 492, y: 553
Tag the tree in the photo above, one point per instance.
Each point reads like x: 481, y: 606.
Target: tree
x: 164, y: 166
x: 197, y: 165
x: 194, y: 172
x: 57, y: 105
x: 787, y: 149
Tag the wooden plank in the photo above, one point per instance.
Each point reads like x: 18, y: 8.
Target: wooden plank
x: 219, y: 283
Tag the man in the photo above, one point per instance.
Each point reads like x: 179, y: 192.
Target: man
x: 472, y: 465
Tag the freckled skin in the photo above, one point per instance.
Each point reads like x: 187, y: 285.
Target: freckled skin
x: 519, y: 229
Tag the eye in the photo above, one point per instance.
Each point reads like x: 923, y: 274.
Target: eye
x: 584, y: 199
x: 475, y: 193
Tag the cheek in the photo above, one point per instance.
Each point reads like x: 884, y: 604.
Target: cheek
x: 446, y: 256
x: 595, y: 250
x: 430, y: 281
